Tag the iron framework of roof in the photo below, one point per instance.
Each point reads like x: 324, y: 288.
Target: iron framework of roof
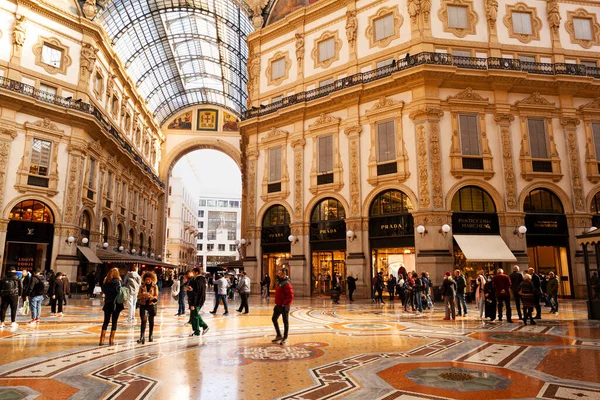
x: 182, y: 52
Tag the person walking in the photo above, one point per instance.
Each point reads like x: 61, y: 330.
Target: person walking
x: 133, y: 282
x: 57, y: 298
x: 552, y: 288
x: 537, y: 292
x: 515, y: 286
x: 527, y: 293
x: 66, y: 288
x: 502, y: 289
x: 448, y: 296
x: 265, y: 285
x: 111, y: 289
x: 351, y: 283
x: 379, y: 284
x: 461, y: 285
x: 196, y: 294
x: 26, y: 282
x: 91, y: 284
x: 222, y: 285
x: 182, y: 283
x: 36, y: 296
x: 480, y: 294
x: 244, y: 291
x: 490, y: 299
x: 391, y: 286
x: 418, y: 292
x: 284, y: 295
x: 11, y: 288
x: 427, y: 290
x: 148, y: 298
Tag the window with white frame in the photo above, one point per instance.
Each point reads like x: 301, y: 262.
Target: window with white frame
x: 276, y: 99
x: 221, y: 247
x: 522, y: 23
x: 582, y: 28
x: 278, y: 68
x: 51, y: 55
x: 210, y: 247
x: 384, y: 63
x: 386, y: 142
x: 40, y: 157
x: 275, y: 164
x: 589, y: 64
x: 537, y: 138
x: 47, y: 90
x: 596, y: 134
x: 325, y: 154
x: 92, y: 174
x: 469, y: 135
x: 325, y: 82
x: 232, y: 247
x: 384, y: 27
x: 457, y: 17
x: 524, y: 58
x: 326, y: 49
x: 461, y: 53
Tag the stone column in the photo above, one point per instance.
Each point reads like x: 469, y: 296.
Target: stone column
x: 569, y: 124
x: 298, y: 263
x: 64, y: 256
x: 251, y: 232
x: 578, y: 223
x: 75, y: 178
x: 509, y: 223
x: 504, y: 120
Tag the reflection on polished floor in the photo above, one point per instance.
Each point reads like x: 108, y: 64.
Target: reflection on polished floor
x: 355, y: 351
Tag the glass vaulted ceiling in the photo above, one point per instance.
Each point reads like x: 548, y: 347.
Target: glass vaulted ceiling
x: 182, y: 52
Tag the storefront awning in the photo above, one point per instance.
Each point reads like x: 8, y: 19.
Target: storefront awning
x: 484, y: 248
x: 89, y: 254
x: 122, y: 258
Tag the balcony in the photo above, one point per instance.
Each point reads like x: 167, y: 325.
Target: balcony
x: 425, y: 58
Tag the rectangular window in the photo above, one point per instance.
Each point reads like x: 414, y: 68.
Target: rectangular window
x: 169, y: 212
x: 168, y: 233
x: 278, y: 68
x: 522, y: 23
x: 384, y: 27
x: 384, y: 63
x: 47, y: 90
x: 325, y: 154
x: 583, y: 28
x: 210, y: 247
x: 109, y: 185
x: 596, y: 134
x: 590, y: 64
x: 461, y: 53
x: 386, y: 142
x: 201, y: 235
x: 326, y: 82
x: 201, y: 224
x: 92, y: 174
x: 275, y: 164
x: 201, y: 213
x: 221, y: 247
x: 234, y: 204
x: 231, y: 235
x: 115, y: 105
x: 98, y: 83
x: 124, y: 194
x: 526, y: 58
x: 211, y: 203
x: 276, y: 99
x: 51, y: 56
x: 202, y: 203
x: 40, y: 157
x: 232, y: 247
x: 469, y: 135
x: 537, y: 138
x: 199, y: 246
x: 457, y: 17
x: 223, y: 203
x: 326, y: 50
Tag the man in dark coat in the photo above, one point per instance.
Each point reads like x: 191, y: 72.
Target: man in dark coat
x: 351, y: 286
x: 515, y: 283
x: 196, y: 291
x: 502, y: 289
x: 10, y: 290
x: 537, y: 292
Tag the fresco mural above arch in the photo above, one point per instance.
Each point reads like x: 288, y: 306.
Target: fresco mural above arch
x: 285, y: 7
x: 182, y: 122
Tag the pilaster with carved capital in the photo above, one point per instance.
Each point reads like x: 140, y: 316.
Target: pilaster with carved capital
x: 298, y: 144
x: 504, y: 120
x: 569, y: 124
x: 353, y: 133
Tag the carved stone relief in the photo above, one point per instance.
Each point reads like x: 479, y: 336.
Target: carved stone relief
x: 570, y: 125
x: 504, y: 121
x: 436, y: 164
x: 423, y: 163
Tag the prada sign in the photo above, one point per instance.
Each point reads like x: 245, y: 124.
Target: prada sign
x: 275, y: 234
x: 466, y: 223
x: 391, y: 226
x: 328, y: 230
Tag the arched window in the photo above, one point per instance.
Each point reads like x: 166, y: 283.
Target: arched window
x: 119, y: 235
x: 131, y: 238
x: 596, y: 204
x: 84, y: 221
x: 141, y: 242
x: 390, y: 202
x: 31, y: 211
x: 542, y: 201
x: 327, y: 210
x: 473, y: 199
x: 104, y: 230
x: 276, y: 215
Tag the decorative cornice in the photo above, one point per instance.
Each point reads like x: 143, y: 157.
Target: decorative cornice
x: 467, y: 95
x: 12, y: 132
x: 275, y: 135
x: 535, y: 99
x: 298, y: 143
x: 353, y: 130
x: 428, y: 111
x: 45, y: 123
x: 324, y: 120
x: 592, y: 105
x: 569, y: 121
x: 504, y: 118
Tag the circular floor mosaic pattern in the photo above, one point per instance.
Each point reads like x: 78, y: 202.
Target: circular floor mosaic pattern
x: 276, y: 352
x: 459, y: 379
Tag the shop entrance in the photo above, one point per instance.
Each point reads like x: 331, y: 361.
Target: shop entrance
x: 276, y: 248
x: 328, y: 246
x: 29, y: 236
x: 548, y: 238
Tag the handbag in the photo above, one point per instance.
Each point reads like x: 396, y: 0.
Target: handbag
x: 97, y: 290
x: 25, y: 309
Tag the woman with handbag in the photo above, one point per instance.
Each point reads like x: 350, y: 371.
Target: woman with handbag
x: 111, y: 289
x: 147, y: 297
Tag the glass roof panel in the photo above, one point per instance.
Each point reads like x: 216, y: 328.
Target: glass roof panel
x: 182, y: 52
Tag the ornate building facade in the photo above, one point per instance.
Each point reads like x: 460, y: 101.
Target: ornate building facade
x: 182, y: 229
x: 428, y: 135
x: 79, y: 149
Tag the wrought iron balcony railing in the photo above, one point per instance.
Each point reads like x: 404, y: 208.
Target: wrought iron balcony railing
x: 68, y: 102
x: 430, y: 58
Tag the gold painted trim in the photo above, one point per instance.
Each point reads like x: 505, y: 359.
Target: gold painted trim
x: 570, y: 28
x: 288, y: 65
x: 336, y: 52
x: 381, y: 13
x: 536, y: 22
x: 472, y: 17
x: 65, y: 60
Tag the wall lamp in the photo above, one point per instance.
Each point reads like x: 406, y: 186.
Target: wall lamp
x: 70, y: 240
x: 243, y: 242
x: 351, y: 235
x: 445, y: 229
x: 121, y: 248
x: 520, y: 231
x: 85, y: 241
x: 143, y: 253
x: 133, y: 251
x: 421, y: 230
x: 293, y: 239
x: 105, y: 245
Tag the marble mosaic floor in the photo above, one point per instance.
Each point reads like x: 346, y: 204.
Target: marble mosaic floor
x: 354, y: 351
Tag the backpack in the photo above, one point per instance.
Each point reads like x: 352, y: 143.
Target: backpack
x: 9, y: 287
x: 41, y: 285
x: 122, y: 296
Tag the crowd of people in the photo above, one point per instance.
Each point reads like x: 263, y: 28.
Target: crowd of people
x: 413, y: 290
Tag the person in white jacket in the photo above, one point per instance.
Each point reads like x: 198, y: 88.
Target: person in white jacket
x: 133, y: 281
x: 244, y: 291
x: 222, y: 285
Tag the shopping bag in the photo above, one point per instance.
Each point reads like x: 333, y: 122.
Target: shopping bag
x: 25, y: 309
x: 97, y: 290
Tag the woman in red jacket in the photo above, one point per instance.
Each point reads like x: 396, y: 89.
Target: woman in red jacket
x: 284, y: 294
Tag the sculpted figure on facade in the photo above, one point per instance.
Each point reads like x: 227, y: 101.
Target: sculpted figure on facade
x: 426, y: 9
x: 414, y: 7
x: 491, y: 11
x: 89, y: 9
x: 351, y: 27
x: 88, y: 60
x: 253, y: 73
x: 554, y: 15
x: 19, y: 32
x: 257, y: 18
x: 300, y: 50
